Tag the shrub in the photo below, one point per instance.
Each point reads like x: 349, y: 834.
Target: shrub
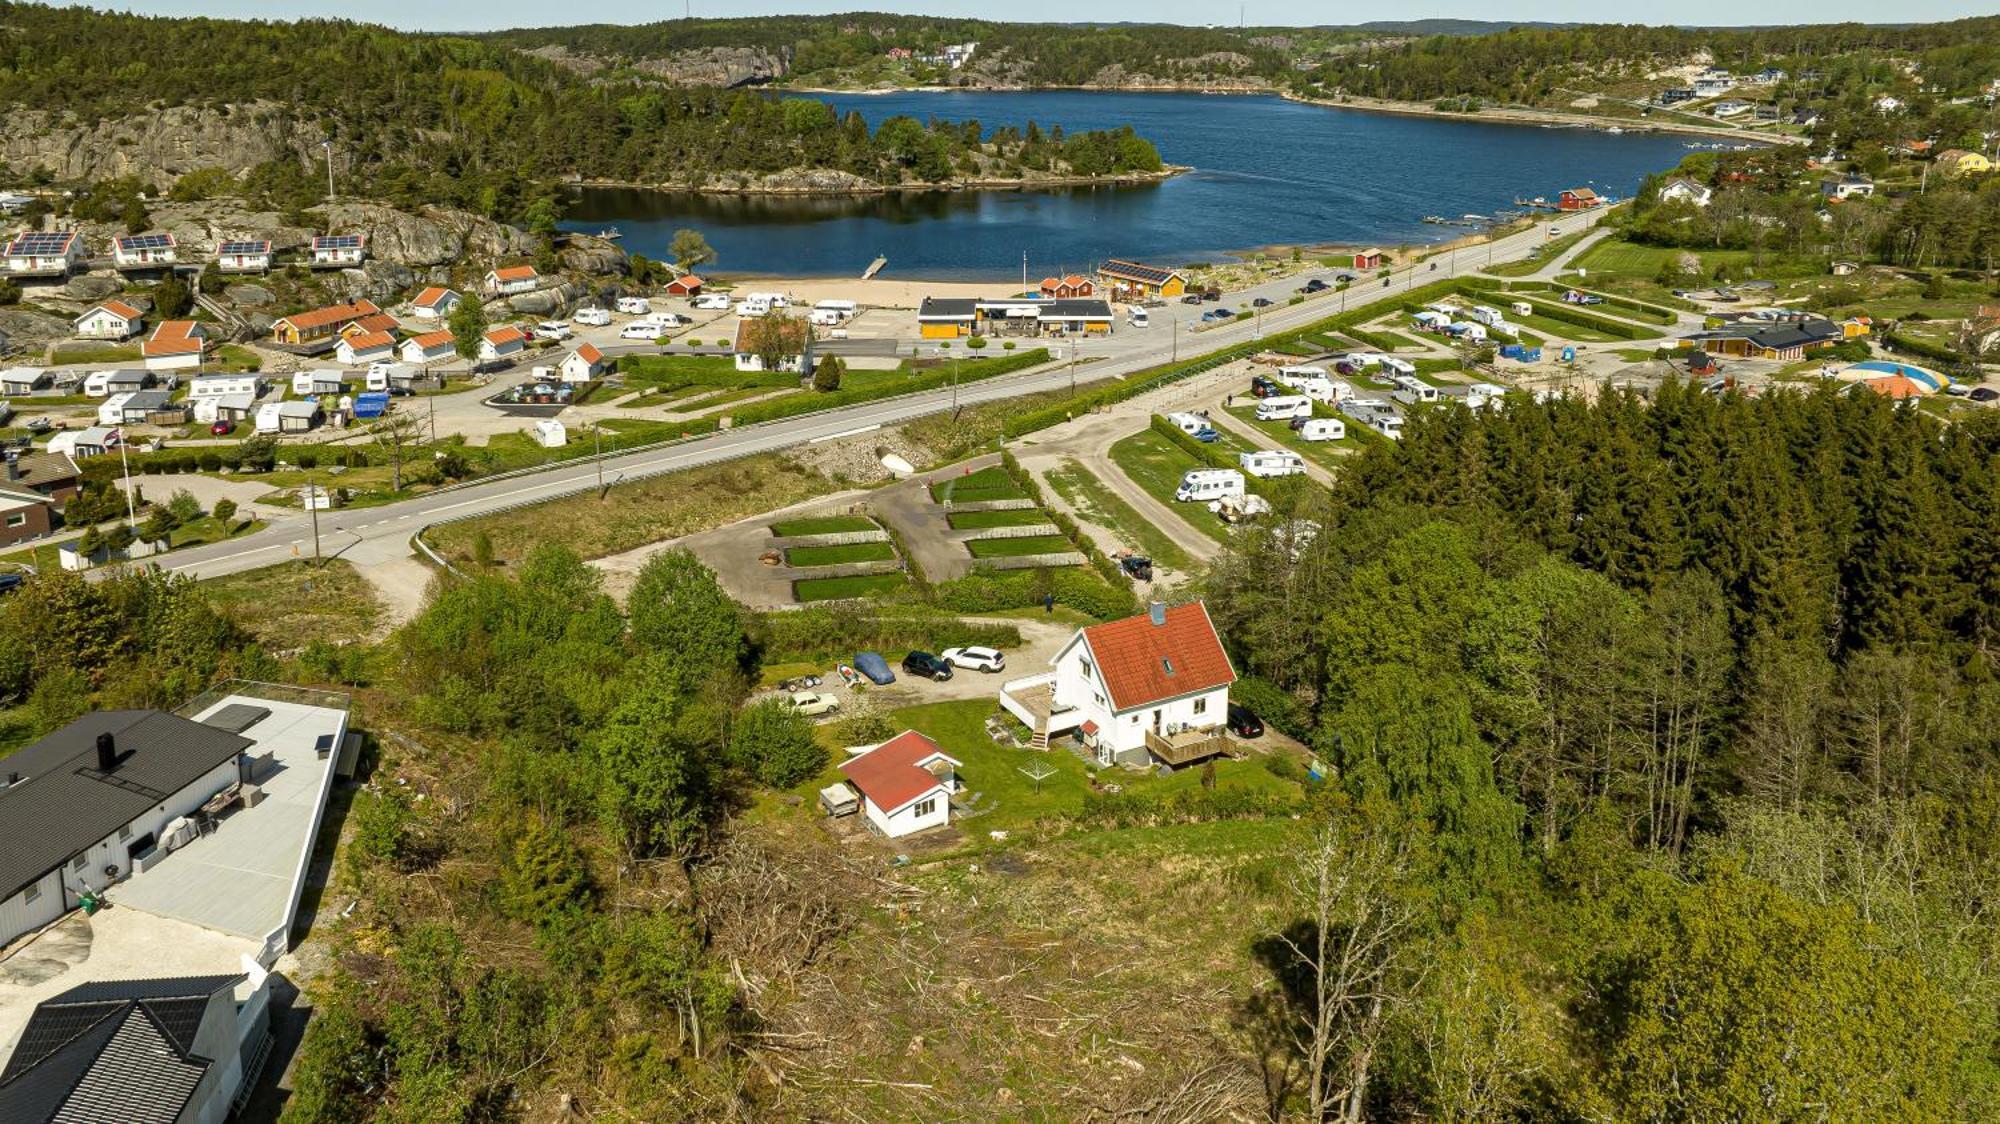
x: 775, y: 743
x: 308, y: 460
x: 865, y: 728
x: 976, y: 343
x: 225, y: 511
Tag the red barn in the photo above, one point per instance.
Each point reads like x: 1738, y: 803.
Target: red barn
x: 1578, y: 199
x: 686, y: 285
x: 1368, y: 259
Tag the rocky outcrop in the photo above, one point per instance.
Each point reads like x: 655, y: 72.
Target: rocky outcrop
x: 249, y: 294
x: 709, y: 66
x: 157, y: 146
x: 547, y: 301
x: 31, y: 329
x: 93, y: 287
x: 431, y: 237
x: 378, y: 279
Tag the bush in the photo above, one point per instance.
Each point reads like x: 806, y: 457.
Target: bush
x: 210, y: 462
x: 225, y: 511
x: 308, y: 460
x: 1279, y: 709
x: 1081, y: 590
x: 775, y: 743
x: 867, y: 728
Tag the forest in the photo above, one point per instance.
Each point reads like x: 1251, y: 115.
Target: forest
x: 435, y: 119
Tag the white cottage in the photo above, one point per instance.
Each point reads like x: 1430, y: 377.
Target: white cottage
x: 906, y: 784
x: 110, y: 320
x: 1154, y: 687
x: 583, y: 364
x: 244, y: 255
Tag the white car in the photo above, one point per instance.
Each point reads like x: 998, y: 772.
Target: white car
x: 642, y: 330
x: 712, y: 301
x: 592, y: 317
x: 975, y: 659
x: 814, y: 704
x: 552, y: 330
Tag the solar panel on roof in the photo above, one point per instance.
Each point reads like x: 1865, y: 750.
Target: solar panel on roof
x: 41, y: 242
x: 244, y: 248
x: 338, y: 242
x: 147, y: 242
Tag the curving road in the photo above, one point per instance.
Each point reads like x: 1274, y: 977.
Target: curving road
x: 382, y: 534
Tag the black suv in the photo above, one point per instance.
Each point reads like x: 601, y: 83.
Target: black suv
x: 926, y: 665
x: 1243, y: 723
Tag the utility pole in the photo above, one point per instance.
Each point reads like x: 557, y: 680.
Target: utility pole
x: 312, y: 505
x: 597, y: 431
x: 1072, y: 369
x: 1024, y: 273
x: 131, y: 509
x: 432, y: 403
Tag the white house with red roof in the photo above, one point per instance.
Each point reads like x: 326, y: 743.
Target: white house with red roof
x: 175, y: 345
x: 905, y: 784
x: 110, y: 320
x: 434, y: 303
x: 501, y: 343
x: 430, y: 347
x: 1152, y: 687
x: 512, y: 279
x: 357, y: 348
x: 583, y: 364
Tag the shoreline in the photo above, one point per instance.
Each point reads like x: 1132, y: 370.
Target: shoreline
x: 1129, y: 179
x: 1492, y: 115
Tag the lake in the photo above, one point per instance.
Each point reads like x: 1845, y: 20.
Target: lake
x: 1267, y: 172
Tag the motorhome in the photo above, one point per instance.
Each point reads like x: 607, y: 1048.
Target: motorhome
x: 842, y: 310
x: 1138, y: 317
x: 1388, y: 425
x: 1323, y: 429
x: 592, y: 317
x: 1324, y: 391
x: 1187, y: 423
x: 1291, y: 376
x: 1362, y: 360
x: 1204, y: 484
x: 1268, y: 463
x: 1487, y: 315
x: 635, y: 306
x: 1392, y: 366
x: 1411, y: 390
x: 1285, y: 408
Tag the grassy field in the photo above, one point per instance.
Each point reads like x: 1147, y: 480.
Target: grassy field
x: 839, y: 555
x: 1560, y: 329
x: 1548, y: 251
x: 1019, y: 548
x: 822, y: 525
x: 986, y: 484
x: 209, y: 529
x: 641, y: 511
x: 673, y: 371
x: 1327, y: 454
x: 292, y: 604
x: 1157, y: 465
x: 108, y: 353
x: 979, y: 520
x: 835, y: 589
x: 1099, y: 504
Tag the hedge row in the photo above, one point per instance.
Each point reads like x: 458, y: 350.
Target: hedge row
x: 1897, y: 341
x: 1081, y: 590
x: 1659, y: 311
x: 794, y: 405
x: 1568, y: 314
x: 1099, y: 561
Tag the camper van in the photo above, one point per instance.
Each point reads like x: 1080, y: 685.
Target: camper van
x: 1194, y: 425
x: 1204, y: 484
x: 1411, y: 390
x: 635, y: 306
x: 1392, y: 366
x: 1269, y: 463
x: 841, y: 310
x: 1388, y: 425
x: 1322, y: 429
x: 1285, y: 408
x: 592, y: 317
x: 1523, y: 308
x: 1137, y: 317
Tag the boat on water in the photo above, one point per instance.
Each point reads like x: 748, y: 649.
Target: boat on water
x: 1614, y: 130
x: 610, y: 234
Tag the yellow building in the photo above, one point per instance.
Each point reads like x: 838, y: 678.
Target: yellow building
x: 1961, y: 162
x: 946, y: 318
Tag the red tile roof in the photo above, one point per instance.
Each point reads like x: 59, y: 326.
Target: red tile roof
x: 173, y: 337
x: 1144, y: 663
x: 890, y: 775
x: 332, y: 314
x: 516, y: 273
x: 588, y: 353
x: 119, y: 308
x: 686, y: 283
x: 505, y: 335
x: 370, y: 341
x: 432, y: 297
x: 1895, y: 387
x: 430, y: 340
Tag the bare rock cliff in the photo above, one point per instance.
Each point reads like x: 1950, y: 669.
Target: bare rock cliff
x: 159, y: 146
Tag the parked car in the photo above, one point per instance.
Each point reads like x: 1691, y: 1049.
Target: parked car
x: 814, y: 704
x: 1983, y: 394
x: 1138, y: 567
x: 1314, y: 286
x: 1212, y: 295
x: 1191, y: 298
x: 975, y: 659
x: 1261, y: 302
x: 10, y: 582
x: 553, y: 329
x: 874, y: 667
x: 1244, y: 723
x: 926, y: 665
x: 1346, y: 278
x: 1206, y: 436
x: 221, y: 429
x: 1261, y: 387
x: 712, y: 301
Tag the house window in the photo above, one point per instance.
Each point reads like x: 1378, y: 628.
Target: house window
x: 1201, y: 706
x: 125, y: 833
x: 78, y: 862
x: 1084, y: 661
x: 17, y: 519
x: 34, y: 892
x: 926, y: 807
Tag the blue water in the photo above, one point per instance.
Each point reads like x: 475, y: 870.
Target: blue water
x: 1267, y: 172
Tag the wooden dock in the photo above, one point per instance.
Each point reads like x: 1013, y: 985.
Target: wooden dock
x: 874, y: 267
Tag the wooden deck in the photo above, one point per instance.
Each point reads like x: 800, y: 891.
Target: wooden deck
x: 1190, y: 746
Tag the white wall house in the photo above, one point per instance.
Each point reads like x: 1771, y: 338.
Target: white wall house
x: 43, y: 253
x: 247, y: 255
x: 583, y: 364
x: 434, y: 303
x: 1686, y: 191
x: 430, y: 347
x: 110, y: 320
x: 142, y: 250
x: 502, y: 343
x: 365, y: 347
x: 905, y: 784
x: 338, y: 250
x: 1153, y: 687
x: 512, y: 279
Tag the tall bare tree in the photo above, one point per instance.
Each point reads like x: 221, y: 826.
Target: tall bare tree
x: 395, y: 433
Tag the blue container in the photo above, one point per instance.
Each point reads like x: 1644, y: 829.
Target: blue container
x: 373, y: 404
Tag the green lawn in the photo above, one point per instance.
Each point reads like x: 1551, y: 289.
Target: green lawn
x: 1099, y: 504
x: 979, y: 520
x: 986, y: 484
x: 294, y: 603
x: 993, y: 777
x: 839, y: 555
x: 1562, y: 329
x: 1553, y: 248
x: 104, y: 354
x: 834, y: 589
x: 1019, y: 548
x: 1327, y: 454
x: 1157, y: 465
x: 208, y: 529
x: 822, y: 525
x: 696, y: 370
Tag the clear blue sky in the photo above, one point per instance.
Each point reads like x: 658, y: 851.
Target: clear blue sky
x: 482, y: 15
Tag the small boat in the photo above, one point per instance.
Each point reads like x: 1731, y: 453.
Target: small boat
x: 610, y: 234
x: 1614, y: 130
x: 848, y: 676
x: 1439, y: 220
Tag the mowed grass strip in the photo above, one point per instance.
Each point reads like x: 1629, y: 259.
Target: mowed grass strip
x: 1156, y: 465
x: 836, y: 589
x: 1100, y: 505
x: 980, y: 520
x: 822, y: 525
x: 839, y: 555
x: 1020, y: 548
x: 986, y: 484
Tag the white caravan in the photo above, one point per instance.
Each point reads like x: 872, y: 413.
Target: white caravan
x: 1268, y: 463
x: 1204, y: 484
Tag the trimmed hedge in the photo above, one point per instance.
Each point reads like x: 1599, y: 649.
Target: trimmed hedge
x: 1661, y: 310
x: 968, y: 372
x: 1897, y: 341
x: 1099, y: 561
x: 990, y: 591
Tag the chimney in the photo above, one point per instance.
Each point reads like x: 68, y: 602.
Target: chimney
x: 107, y: 753
x: 1159, y: 613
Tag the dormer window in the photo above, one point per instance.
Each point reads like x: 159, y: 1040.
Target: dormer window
x: 1167, y: 664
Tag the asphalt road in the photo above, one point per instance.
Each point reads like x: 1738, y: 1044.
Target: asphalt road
x: 382, y: 533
